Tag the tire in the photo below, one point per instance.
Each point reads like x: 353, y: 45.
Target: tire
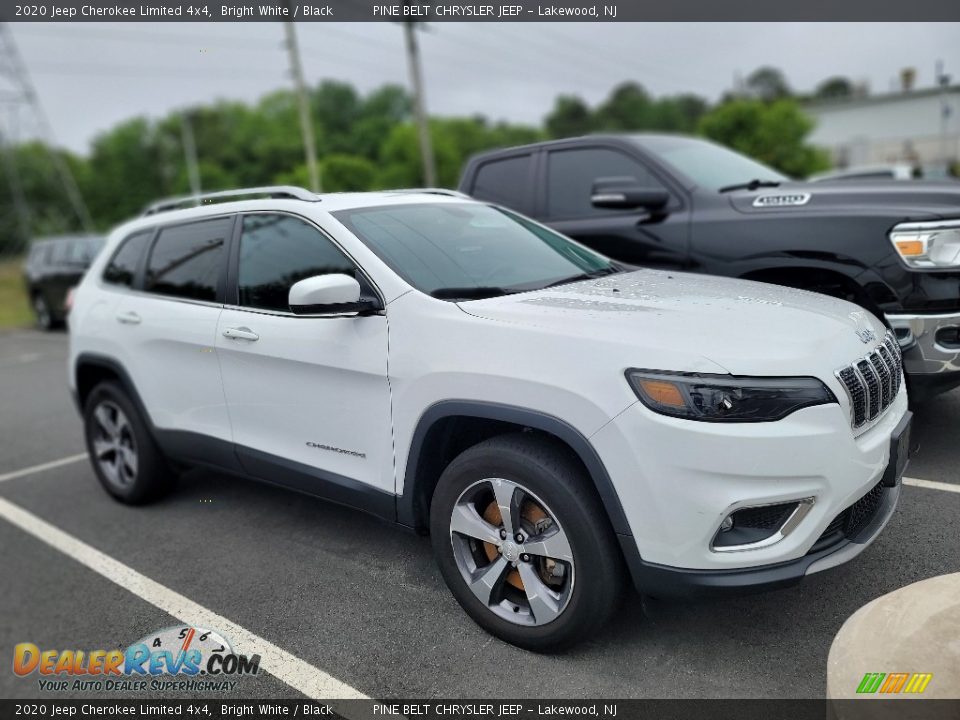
x: 570, y: 600
x: 123, y: 453
x: 43, y: 313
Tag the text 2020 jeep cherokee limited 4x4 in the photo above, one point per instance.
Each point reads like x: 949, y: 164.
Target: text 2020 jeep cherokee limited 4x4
x: 673, y: 202
x: 555, y: 423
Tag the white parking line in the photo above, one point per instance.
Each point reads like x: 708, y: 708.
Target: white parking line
x: 298, y: 674
x: 45, y: 466
x: 931, y: 484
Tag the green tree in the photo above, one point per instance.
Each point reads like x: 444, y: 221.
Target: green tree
x: 629, y: 107
x: 347, y: 173
x: 768, y: 84
x: 834, y: 88
x: 569, y: 117
x: 773, y: 133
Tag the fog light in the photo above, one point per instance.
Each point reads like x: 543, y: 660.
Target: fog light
x: 949, y: 337
x: 727, y: 524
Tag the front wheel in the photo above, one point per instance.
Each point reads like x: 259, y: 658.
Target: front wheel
x: 523, y: 542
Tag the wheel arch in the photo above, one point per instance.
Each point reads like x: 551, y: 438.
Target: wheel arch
x: 91, y: 369
x: 449, y: 427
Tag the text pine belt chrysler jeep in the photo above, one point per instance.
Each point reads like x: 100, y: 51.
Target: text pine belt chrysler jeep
x: 679, y: 203
x: 556, y: 423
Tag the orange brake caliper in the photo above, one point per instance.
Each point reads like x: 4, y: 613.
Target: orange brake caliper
x: 531, y: 512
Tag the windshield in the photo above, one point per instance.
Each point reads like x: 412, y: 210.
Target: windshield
x: 461, y: 251
x: 710, y: 166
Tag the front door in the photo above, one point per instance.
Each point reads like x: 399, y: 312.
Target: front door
x: 636, y: 237
x: 308, y: 395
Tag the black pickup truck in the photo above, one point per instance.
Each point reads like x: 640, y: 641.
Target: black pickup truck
x: 672, y: 202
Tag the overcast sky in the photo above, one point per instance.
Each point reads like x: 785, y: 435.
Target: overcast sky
x: 90, y: 76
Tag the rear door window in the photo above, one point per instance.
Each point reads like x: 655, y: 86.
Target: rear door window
x: 188, y: 261
x: 505, y: 181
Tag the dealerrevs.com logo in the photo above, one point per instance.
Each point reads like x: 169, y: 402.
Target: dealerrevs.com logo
x: 179, y: 658
x: 894, y: 683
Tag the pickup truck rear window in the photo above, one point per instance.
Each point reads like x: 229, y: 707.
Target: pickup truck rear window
x: 503, y: 181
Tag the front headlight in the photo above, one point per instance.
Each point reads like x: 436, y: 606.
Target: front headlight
x: 726, y: 398
x: 928, y: 244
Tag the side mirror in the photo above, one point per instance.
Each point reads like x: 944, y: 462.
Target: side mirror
x: 332, y: 294
x: 625, y: 193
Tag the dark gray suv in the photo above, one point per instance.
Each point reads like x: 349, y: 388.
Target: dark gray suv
x: 53, y: 266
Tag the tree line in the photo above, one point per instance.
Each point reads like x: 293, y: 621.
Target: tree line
x: 367, y: 142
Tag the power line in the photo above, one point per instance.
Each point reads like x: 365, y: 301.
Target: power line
x: 24, y: 95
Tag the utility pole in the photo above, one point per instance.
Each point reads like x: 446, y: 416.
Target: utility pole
x: 306, y: 124
x: 419, y: 104
x: 943, y: 80
x: 190, y: 153
x: 23, y: 94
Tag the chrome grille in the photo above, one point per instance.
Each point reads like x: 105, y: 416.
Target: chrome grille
x: 872, y: 382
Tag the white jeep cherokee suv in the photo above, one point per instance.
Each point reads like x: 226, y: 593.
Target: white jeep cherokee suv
x: 557, y: 423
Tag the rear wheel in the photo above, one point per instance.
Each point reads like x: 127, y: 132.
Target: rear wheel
x: 125, y: 457
x: 42, y: 313
x: 523, y: 542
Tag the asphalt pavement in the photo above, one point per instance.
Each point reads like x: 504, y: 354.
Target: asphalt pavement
x: 361, y: 601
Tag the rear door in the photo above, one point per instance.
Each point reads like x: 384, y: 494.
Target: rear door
x: 168, y: 327
x: 308, y: 395
x: 637, y: 237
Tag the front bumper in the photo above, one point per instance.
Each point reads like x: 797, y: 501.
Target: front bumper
x: 677, y: 480
x: 664, y: 581
x: 931, y: 366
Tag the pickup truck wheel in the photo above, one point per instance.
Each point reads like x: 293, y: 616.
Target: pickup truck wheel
x: 523, y: 543
x: 124, y: 455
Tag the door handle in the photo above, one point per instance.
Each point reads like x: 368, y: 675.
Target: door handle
x: 240, y: 333
x: 128, y: 318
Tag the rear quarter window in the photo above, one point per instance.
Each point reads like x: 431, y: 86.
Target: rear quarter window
x: 122, y: 268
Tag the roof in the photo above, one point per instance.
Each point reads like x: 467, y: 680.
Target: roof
x: 883, y: 98
x: 277, y: 192
x: 188, y: 208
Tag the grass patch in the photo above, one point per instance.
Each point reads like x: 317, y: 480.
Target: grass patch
x: 14, y: 307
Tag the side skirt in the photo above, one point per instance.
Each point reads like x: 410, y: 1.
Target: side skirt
x: 196, y: 449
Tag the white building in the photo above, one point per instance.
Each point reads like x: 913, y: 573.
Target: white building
x: 910, y: 126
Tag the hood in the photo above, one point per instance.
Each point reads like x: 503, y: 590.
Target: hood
x: 918, y: 199
x: 745, y: 328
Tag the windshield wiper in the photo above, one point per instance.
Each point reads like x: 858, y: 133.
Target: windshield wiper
x: 611, y: 269
x: 476, y: 292
x: 752, y: 185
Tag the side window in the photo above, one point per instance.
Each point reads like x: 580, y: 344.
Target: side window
x: 84, y: 250
x: 503, y: 181
x: 39, y: 255
x: 123, y: 266
x: 187, y: 260
x: 571, y: 174
x: 60, y: 252
x: 277, y: 251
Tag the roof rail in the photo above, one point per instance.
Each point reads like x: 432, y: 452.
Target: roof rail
x: 432, y: 191
x: 275, y: 191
